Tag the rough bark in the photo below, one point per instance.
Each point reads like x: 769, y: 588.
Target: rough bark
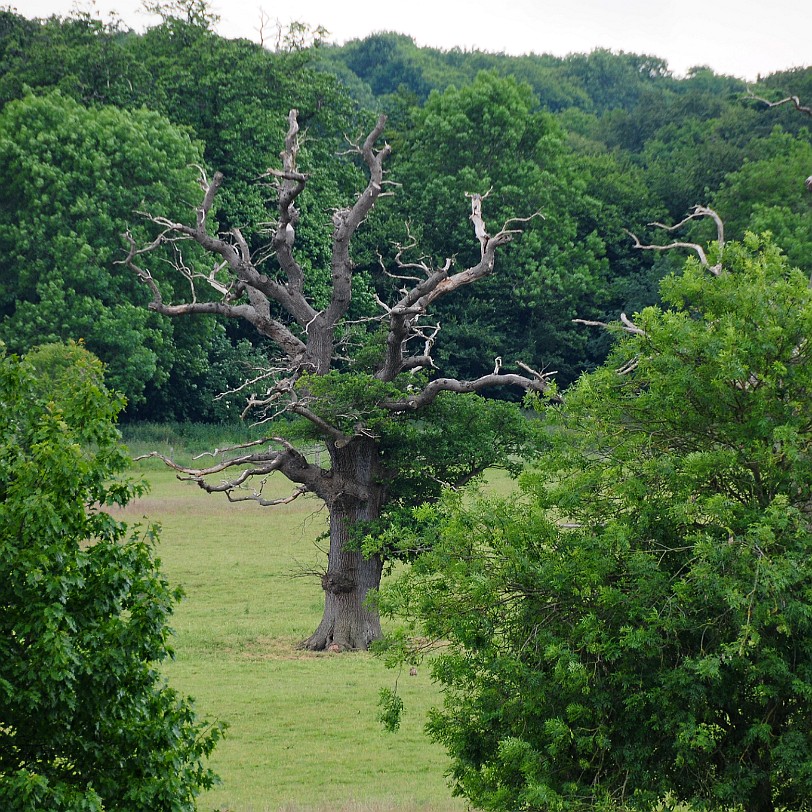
x: 348, y: 622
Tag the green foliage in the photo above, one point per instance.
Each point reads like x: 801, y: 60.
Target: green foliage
x: 88, y: 721
x: 453, y: 441
x: 449, y: 442
x: 81, y: 56
x: 239, y: 114
x: 768, y: 194
x: 388, y: 64
x: 391, y: 705
x: 614, y: 80
x: 196, y: 13
x: 75, y: 176
x: 636, y: 629
x: 238, y: 117
x: 628, y: 141
x: 491, y: 135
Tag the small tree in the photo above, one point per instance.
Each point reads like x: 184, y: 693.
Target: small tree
x: 637, y: 628
x: 361, y: 385
x: 86, y: 720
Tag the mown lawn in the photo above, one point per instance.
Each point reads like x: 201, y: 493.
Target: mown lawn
x: 302, y: 731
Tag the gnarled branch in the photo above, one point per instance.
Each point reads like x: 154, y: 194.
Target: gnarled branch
x: 534, y: 382
x: 288, y: 460
x: 696, y: 212
x: 438, y: 283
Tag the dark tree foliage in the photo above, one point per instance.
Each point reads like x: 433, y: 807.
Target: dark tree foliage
x: 88, y: 722
x: 631, y: 142
x: 73, y: 176
x: 59, y: 259
x: 492, y: 135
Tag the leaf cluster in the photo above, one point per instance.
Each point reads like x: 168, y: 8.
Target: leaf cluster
x: 449, y: 442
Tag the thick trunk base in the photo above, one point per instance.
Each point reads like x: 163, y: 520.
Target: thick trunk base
x: 348, y: 624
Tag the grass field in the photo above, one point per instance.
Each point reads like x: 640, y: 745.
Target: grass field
x: 302, y: 728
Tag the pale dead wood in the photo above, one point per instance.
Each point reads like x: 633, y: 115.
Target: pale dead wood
x: 625, y: 322
x: 308, y: 341
x: 793, y: 100
x: 696, y: 213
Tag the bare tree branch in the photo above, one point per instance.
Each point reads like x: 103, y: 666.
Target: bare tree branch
x: 793, y: 100
x: 291, y: 185
x: 288, y: 460
x: 539, y: 382
x: 625, y: 322
x: 696, y: 212
x: 440, y: 282
x: 476, y: 217
x: 346, y: 223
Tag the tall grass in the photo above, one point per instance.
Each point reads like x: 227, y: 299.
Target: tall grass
x: 302, y: 728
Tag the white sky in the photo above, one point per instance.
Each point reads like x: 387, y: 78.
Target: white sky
x: 738, y: 37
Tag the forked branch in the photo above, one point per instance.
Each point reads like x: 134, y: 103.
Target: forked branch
x: 696, y: 213
x: 287, y: 460
x: 431, y: 285
x: 308, y: 339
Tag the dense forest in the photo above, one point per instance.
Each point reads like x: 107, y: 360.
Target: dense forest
x: 98, y: 123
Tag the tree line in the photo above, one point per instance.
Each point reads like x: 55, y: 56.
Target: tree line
x: 598, y: 143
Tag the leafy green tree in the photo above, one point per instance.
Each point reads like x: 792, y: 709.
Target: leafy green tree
x: 685, y: 160
x: 74, y: 176
x: 614, y: 80
x: 235, y: 96
x: 88, y: 722
x: 363, y: 387
x: 491, y: 137
x: 387, y: 61
x: 634, y: 628
x: 81, y: 56
x: 768, y: 194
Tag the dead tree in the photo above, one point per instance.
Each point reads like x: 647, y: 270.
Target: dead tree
x: 355, y: 485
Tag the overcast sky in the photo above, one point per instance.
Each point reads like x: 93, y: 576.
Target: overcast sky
x: 738, y: 37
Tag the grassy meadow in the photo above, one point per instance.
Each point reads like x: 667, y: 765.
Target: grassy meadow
x: 303, y: 733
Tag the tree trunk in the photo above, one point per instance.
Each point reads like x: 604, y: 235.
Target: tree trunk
x: 348, y: 623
